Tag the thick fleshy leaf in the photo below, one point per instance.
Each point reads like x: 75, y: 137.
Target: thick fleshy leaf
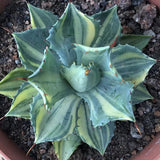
x: 56, y: 124
x: 72, y: 27
x: 109, y: 29
x: 21, y: 103
x: 47, y: 78
x: 99, y: 56
x: 66, y: 147
x: 131, y: 63
x: 82, y: 78
x: 41, y: 18
x: 106, y: 101
x: 75, y: 27
x: 139, y: 41
x: 98, y: 137
x: 31, y: 45
x: 12, y: 82
x: 140, y: 94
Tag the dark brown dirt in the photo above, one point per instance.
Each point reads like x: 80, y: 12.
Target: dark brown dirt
x: 127, y: 141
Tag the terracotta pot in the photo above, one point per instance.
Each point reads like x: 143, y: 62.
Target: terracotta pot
x: 3, y: 4
x: 150, y: 152
x: 156, y: 2
x: 9, y: 150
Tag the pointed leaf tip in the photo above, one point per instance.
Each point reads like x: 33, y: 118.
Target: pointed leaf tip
x: 30, y: 149
x: 41, y: 18
x: 66, y: 147
x: 96, y: 137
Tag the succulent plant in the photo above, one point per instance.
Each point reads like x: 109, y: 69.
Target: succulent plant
x: 78, y: 78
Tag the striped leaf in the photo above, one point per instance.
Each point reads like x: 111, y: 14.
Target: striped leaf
x: 75, y: 27
x: 131, y: 63
x: 72, y: 27
x: 76, y: 76
x: 31, y: 45
x: 66, y: 147
x: 21, y: 103
x: 48, y: 81
x: 140, y: 94
x: 109, y: 29
x: 106, y: 101
x: 56, y: 124
x: 98, y: 137
x: 100, y: 56
x: 139, y: 41
x: 11, y: 83
x: 41, y: 18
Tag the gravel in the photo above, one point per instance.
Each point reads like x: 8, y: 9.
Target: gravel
x: 137, y: 17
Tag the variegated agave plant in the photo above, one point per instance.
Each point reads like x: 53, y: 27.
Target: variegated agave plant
x: 78, y: 78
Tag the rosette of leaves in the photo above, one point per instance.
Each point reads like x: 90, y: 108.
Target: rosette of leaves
x: 79, y: 75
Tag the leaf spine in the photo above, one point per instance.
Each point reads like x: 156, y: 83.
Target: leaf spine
x: 6, y: 29
x: 115, y: 74
x: 45, y: 107
x: 2, y: 118
x: 87, y: 72
x: 45, y: 94
x: 30, y: 149
x: 114, y: 43
x: 46, y: 50
x: 86, y: 52
x: 122, y: 80
x: 21, y: 79
x: 137, y: 128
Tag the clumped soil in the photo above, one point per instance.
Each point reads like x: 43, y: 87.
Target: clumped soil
x: 137, y: 17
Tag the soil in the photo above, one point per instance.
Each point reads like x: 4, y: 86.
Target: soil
x: 137, y: 17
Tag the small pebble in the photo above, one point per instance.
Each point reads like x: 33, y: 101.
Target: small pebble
x: 137, y: 2
x: 141, y: 111
x: 134, y: 132
x: 149, y: 33
x: 158, y: 36
x: 153, y: 83
x: 26, y: 22
x: 157, y: 127
x: 152, y: 136
x: 26, y: 12
x: 149, y: 106
x: 17, y: 61
x: 154, y: 40
x: 132, y: 145
x: 10, y: 24
x: 124, y: 4
x: 42, y: 151
x: 140, y: 148
x: 147, y: 138
x: 145, y: 16
x: 134, y: 152
x: 157, y: 113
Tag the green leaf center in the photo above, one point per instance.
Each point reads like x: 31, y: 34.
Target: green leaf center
x: 81, y: 78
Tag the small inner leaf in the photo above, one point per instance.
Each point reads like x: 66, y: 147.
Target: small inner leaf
x: 81, y: 78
